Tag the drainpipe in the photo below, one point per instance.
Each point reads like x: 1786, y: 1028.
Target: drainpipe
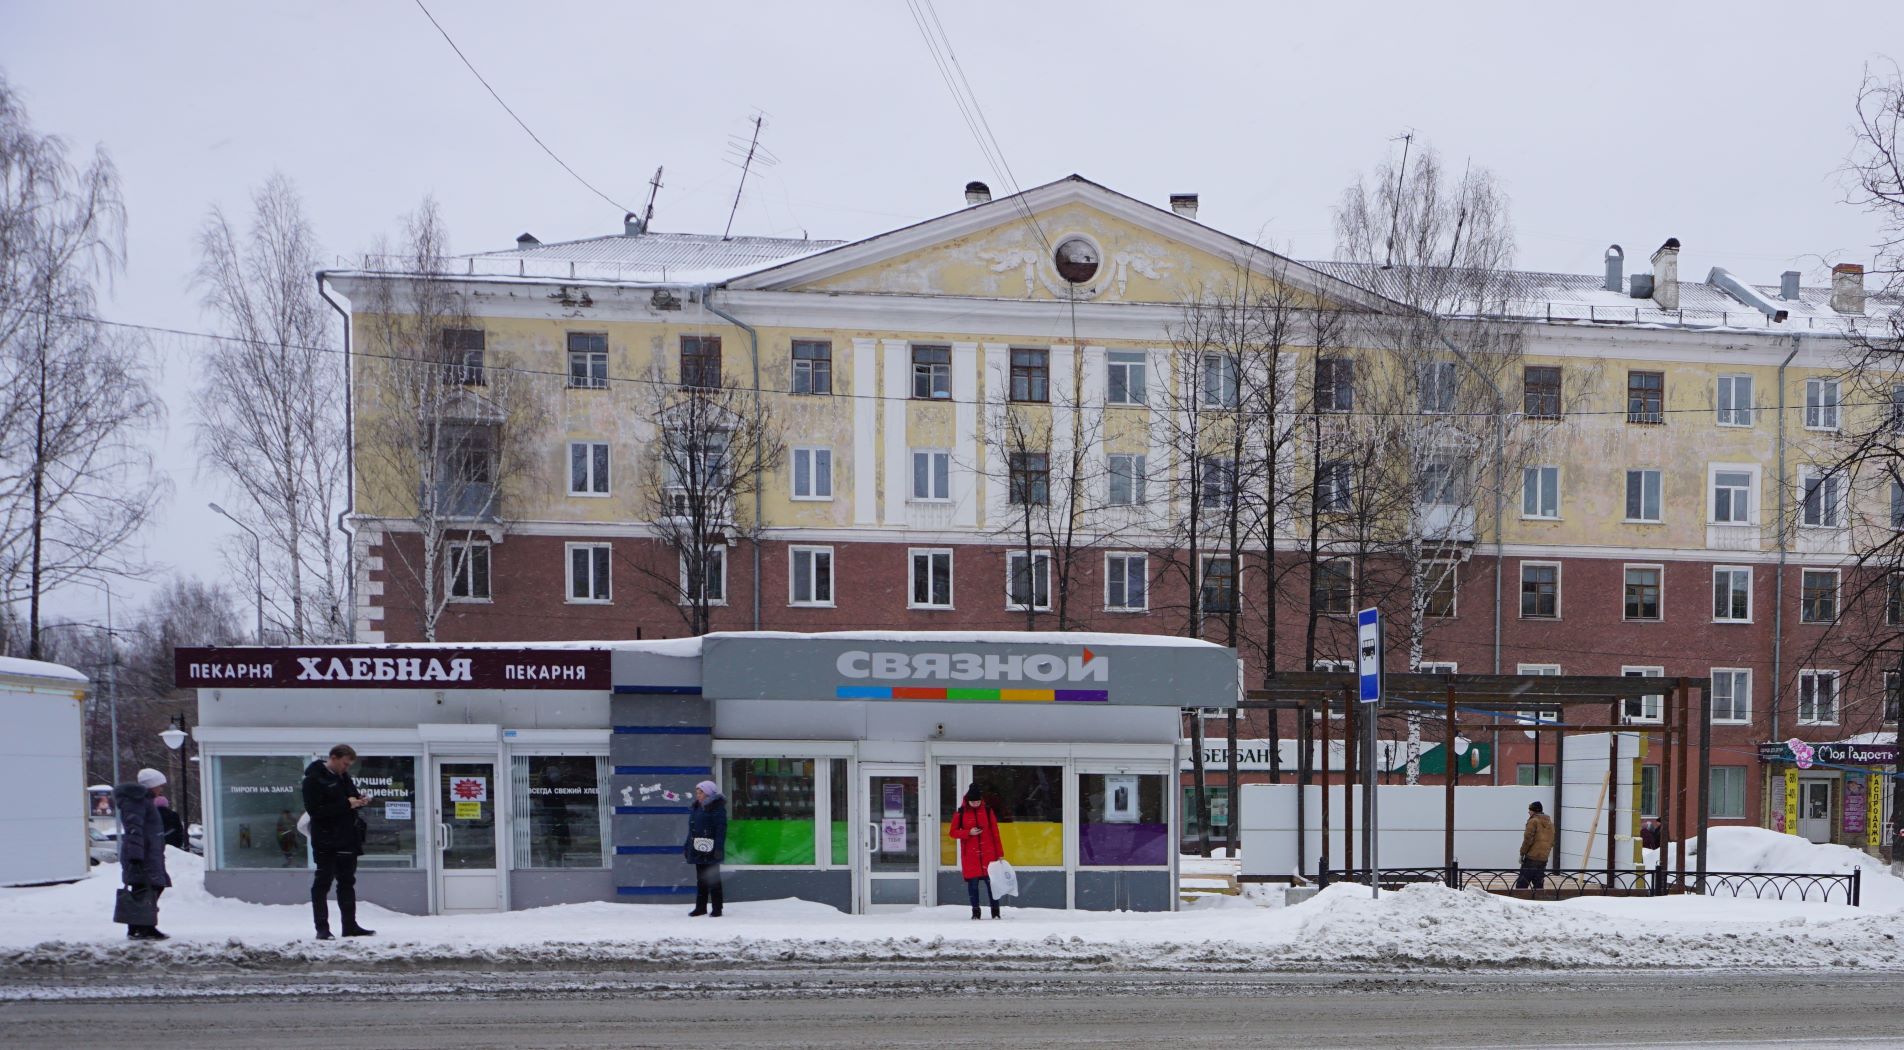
x: 1778, y: 584
x: 753, y: 354
x: 350, y: 472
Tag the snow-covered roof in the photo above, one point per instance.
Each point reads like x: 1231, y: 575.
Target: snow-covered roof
x: 641, y: 259
x: 692, y: 646
x: 17, y: 667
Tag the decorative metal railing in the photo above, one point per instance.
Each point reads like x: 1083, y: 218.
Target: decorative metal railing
x: 1563, y: 883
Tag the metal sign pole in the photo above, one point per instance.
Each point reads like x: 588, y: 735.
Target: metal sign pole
x: 1369, y: 650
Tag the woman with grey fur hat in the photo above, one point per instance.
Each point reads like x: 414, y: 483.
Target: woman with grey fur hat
x: 707, y: 846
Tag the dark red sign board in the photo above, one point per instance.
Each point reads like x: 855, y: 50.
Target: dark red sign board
x: 339, y: 667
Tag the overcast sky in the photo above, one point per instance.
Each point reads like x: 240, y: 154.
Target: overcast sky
x: 1606, y: 123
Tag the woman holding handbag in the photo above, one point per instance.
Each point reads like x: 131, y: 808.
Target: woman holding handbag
x: 706, y: 846
x: 975, y: 828
x: 141, y: 856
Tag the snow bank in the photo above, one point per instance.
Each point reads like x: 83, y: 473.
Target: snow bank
x: 68, y: 930
x: 1764, y: 850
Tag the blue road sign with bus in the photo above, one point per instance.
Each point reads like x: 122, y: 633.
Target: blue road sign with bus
x: 1368, y: 653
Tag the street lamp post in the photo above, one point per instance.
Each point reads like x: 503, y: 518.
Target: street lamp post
x: 174, y: 737
x: 257, y: 564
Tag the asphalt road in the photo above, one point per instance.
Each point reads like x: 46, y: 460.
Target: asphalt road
x: 822, y: 1007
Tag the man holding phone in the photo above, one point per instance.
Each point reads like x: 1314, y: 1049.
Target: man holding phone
x: 337, y: 838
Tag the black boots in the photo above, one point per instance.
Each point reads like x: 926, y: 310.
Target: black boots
x: 146, y: 933
x: 325, y: 935
x: 995, y: 914
x: 975, y: 913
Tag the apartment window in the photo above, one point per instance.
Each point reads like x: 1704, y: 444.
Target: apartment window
x: 931, y: 476
x: 813, y: 473
x: 710, y: 584
x: 1822, y: 505
x: 1897, y: 406
x: 1646, y: 397
x: 1334, y: 486
x: 1897, y: 505
x: 1540, y: 492
x: 463, y: 356
x: 1335, y: 384
x: 1728, y: 793
x: 1642, y: 495
x: 1030, y: 375
x: 1442, y: 577
x: 1126, y: 582
x: 1030, y: 479
x: 810, y: 579
x: 1527, y: 774
x: 468, y: 572
x: 932, y: 372
x: 1731, y: 497
x: 1125, y: 375
x: 1127, y: 481
x: 1540, y: 390
x: 1735, y: 401
x: 1817, y: 698
x: 1335, y: 586
x: 1821, y: 404
x: 1540, y: 590
x: 1438, y: 381
x: 1219, y: 585
x: 1441, y: 482
x: 1643, y: 708
x: 1732, y: 594
x: 1027, y: 580
x: 1216, y: 481
x: 701, y: 361
x: 588, y: 360
x: 1818, y: 596
x: 1220, y: 389
x: 696, y: 466
x: 1439, y: 667
x: 1894, y: 599
x: 1893, y: 692
x: 812, y: 366
x: 1731, y: 694
x: 588, y: 572
x: 931, y: 582
x: 1642, y: 591
x: 588, y: 468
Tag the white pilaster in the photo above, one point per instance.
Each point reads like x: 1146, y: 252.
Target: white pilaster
x: 895, y: 354
x: 1064, y: 394
x: 996, y: 396
x: 966, y: 442
x: 865, y: 465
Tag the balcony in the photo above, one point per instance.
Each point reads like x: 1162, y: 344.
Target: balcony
x: 462, y: 501
x: 1734, y: 537
x: 1821, y: 541
x: 1447, y: 523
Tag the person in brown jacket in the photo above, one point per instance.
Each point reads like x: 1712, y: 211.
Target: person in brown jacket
x: 1537, y: 844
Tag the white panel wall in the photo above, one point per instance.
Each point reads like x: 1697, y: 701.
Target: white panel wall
x: 43, y: 822
x: 1488, y: 823
x: 1582, y: 776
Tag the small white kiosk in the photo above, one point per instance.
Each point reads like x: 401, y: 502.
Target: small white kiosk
x: 44, y: 820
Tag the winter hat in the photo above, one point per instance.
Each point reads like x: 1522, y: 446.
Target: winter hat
x: 1533, y: 807
x: 973, y: 794
x: 709, y: 788
x: 150, y: 779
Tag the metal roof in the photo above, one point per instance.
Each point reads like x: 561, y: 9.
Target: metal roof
x: 659, y: 253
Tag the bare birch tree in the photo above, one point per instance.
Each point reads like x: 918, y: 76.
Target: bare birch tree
x: 270, y: 405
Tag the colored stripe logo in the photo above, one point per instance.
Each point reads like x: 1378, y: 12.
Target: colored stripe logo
x: 913, y: 692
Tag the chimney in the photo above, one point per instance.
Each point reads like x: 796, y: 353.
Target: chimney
x: 1788, y: 285
x: 1184, y: 204
x: 1666, y: 275
x: 632, y: 226
x: 526, y: 240
x: 1847, y: 288
x: 1615, y: 264
x: 977, y: 193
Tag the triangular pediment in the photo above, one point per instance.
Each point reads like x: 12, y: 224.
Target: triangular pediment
x: 1004, y: 249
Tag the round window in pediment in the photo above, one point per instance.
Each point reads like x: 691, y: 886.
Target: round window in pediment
x: 1076, y: 260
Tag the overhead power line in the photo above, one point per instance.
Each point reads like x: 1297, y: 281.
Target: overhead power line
x: 512, y: 113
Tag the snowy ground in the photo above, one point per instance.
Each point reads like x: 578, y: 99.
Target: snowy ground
x: 62, y: 929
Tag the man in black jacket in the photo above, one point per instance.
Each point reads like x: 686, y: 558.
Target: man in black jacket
x: 337, y: 838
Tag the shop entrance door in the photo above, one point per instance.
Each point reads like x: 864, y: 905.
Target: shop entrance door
x: 468, y: 879
x: 893, y: 871
x: 1814, y: 810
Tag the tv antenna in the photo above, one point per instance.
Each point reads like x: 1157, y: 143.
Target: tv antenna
x: 654, y: 188
x: 745, y: 152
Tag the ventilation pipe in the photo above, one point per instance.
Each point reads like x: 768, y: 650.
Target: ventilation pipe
x: 977, y: 193
x: 1722, y: 279
x: 1615, y: 267
x: 1788, y: 286
x: 633, y: 225
x: 1184, y: 204
x: 526, y: 240
x: 1666, y: 275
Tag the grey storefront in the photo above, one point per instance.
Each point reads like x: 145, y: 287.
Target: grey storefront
x: 515, y: 777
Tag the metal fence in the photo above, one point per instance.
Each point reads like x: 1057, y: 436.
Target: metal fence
x: 1564, y: 883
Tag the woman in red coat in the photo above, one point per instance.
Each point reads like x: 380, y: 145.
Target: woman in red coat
x: 975, y: 827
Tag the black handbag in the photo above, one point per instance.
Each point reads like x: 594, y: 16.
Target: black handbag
x: 136, y: 906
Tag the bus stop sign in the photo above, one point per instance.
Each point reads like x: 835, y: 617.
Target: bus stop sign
x: 1368, y: 654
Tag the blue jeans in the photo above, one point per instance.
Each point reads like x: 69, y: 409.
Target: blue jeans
x: 971, y: 890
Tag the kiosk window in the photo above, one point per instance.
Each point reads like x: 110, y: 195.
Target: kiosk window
x: 389, y: 781
x: 256, y: 802
x: 838, y: 801
x: 1121, y: 820
x: 558, y: 811
x: 1029, y: 801
x: 770, y: 815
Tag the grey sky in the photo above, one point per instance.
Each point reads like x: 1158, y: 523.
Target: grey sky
x: 1723, y: 127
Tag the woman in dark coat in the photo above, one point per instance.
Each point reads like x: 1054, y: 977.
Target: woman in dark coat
x: 975, y: 829
x: 142, y: 843
x: 707, y: 826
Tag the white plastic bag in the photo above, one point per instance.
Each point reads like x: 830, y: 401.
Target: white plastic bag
x: 304, y: 825
x: 1004, y: 879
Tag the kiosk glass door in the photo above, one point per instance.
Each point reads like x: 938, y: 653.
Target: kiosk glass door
x: 468, y: 879
x: 894, y: 870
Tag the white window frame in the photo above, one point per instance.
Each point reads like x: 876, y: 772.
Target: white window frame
x: 721, y: 552
x: 1811, y: 676
x: 1832, y: 511
x: 1659, y: 495
x: 1652, y: 705
x: 813, y: 578
x: 1136, y: 471
x: 813, y: 454
x: 1657, y: 567
x: 1335, y: 487
x: 1220, y: 384
x: 1559, y: 587
x: 1133, y: 362
x: 1747, y: 570
x: 1127, y: 558
x: 1449, y: 667
x: 1531, y: 716
x: 1821, y: 411
x: 1893, y: 686
x: 1037, y: 558
x: 1542, y: 484
x: 932, y: 475
x: 1752, y: 501
x: 1440, y: 383
x: 1837, y: 594
x: 601, y: 550
x: 489, y: 573
x: 1740, y: 678
x: 1726, y: 401
x: 913, y: 554
x: 588, y: 479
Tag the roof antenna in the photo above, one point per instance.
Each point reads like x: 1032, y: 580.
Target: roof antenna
x: 654, y: 188
x: 1395, y: 213
x: 750, y: 155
